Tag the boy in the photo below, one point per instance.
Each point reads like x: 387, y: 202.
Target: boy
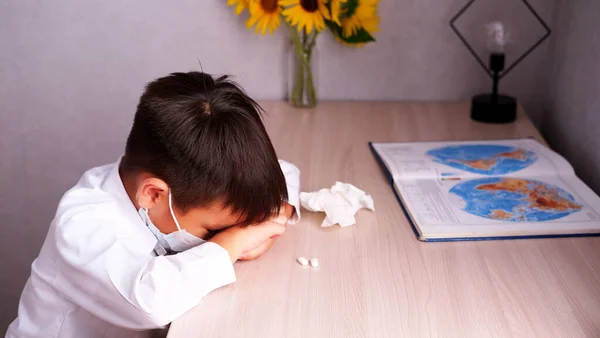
x: 137, y: 243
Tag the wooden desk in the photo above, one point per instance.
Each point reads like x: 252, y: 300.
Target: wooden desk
x: 375, y: 278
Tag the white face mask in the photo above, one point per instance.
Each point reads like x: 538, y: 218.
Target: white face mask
x: 176, y: 241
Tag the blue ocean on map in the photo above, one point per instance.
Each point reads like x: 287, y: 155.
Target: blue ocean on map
x: 485, y: 159
x: 515, y: 199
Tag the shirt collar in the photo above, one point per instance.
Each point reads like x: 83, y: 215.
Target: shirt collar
x: 114, y: 186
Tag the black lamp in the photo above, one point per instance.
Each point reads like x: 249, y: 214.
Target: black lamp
x: 494, y: 107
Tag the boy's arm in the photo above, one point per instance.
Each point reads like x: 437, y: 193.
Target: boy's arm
x: 115, y: 278
x: 110, y: 272
x: 290, y: 209
x: 292, y: 180
x: 287, y: 211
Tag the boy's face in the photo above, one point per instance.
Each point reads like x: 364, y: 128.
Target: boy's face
x: 200, y: 222
x: 153, y: 194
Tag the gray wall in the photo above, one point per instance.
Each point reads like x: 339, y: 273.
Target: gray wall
x: 71, y: 73
x: 572, y: 110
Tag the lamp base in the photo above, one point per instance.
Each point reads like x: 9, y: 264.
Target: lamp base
x: 502, y: 111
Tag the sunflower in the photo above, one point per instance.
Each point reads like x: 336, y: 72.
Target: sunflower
x: 364, y: 16
x: 240, y: 5
x: 336, y: 8
x: 306, y: 14
x: 264, y: 14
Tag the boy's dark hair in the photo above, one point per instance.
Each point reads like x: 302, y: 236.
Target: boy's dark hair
x: 206, y: 140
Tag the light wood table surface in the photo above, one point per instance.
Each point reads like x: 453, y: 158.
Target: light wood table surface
x: 375, y: 279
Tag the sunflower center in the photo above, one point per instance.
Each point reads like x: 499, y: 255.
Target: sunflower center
x: 310, y: 5
x: 269, y: 6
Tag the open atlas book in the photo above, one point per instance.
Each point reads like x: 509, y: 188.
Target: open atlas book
x: 488, y: 190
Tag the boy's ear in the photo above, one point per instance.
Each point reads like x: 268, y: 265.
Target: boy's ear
x: 151, y: 191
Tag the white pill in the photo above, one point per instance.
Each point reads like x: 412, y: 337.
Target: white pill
x: 314, y: 262
x: 302, y: 261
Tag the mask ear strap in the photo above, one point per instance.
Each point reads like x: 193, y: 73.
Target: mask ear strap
x: 137, y: 195
x: 172, y: 213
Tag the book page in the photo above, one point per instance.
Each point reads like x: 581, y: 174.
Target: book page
x: 523, y: 157
x: 499, y: 206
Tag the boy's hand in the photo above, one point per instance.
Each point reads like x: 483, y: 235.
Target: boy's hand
x: 239, y: 240
x: 287, y: 211
x: 257, y: 252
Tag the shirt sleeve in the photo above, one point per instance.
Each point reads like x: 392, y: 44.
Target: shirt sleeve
x: 117, y: 279
x: 292, y: 180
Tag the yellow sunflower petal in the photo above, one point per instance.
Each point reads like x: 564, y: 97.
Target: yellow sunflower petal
x: 257, y: 25
x: 275, y: 23
x: 251, y: 21
x: 371, y: 25
x: 240, y: 5
x: 366, y: 9
x: 309, y: 26
x: 263, y: 19
x: 364, y: 17
x: 323, y: 10
x: 350, y: 26
x: 335, y: 13
x: 238, y: 9
x: 336, y: 8
x: 304, y: 20
x: 263, y: 27
x: 287, y: 15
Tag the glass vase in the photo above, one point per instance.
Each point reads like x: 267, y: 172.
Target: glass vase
x: 303, y: 91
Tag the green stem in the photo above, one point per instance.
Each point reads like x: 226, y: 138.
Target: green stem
x: 304, y: 38
x: 301, y: 75
x: 303, y: 48
x: 294, y: 36
x: 311, y: 83
x: 299, y: 85
x: 313, y: 41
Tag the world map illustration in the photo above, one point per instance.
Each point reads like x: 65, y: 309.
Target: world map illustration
x: 515, y: 199
x: 485, y: 159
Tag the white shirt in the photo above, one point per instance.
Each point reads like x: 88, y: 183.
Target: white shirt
x: 97, y: 274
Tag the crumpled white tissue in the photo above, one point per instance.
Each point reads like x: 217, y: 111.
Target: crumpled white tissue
x: 340, y: 203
